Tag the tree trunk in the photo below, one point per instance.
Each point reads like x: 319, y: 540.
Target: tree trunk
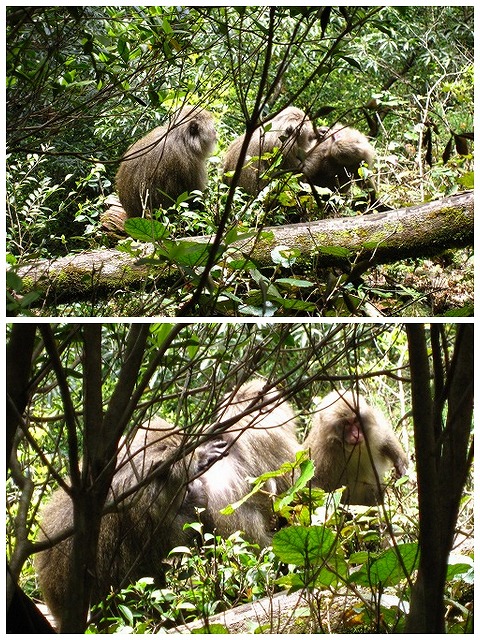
x: 419, y: 231
x: 443, y: 457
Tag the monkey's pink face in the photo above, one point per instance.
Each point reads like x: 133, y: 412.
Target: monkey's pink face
x: 352, y: 431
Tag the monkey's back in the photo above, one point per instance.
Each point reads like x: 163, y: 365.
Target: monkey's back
x: 290, y: 132
x: 135, y: 538
x: 332, y: 161
x: 166, y: 162
x: 258, y: 442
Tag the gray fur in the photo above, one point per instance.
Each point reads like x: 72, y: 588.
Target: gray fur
x: 167, y: 162
x: 338, y: 463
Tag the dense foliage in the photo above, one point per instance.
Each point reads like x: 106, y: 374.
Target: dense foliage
x: 182, y: 373
x: 83, y: 83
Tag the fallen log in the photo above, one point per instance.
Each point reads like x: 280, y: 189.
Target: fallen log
x: 301, y: 612
x: 419, y: 231
x: 275, y: 614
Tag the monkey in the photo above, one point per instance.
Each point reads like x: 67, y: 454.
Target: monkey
x: 346, y: 436
x: 168, y: 161
x: 258, y: 442
x: 291, y: 132
x: 336, y: 158
x: 138, y: 532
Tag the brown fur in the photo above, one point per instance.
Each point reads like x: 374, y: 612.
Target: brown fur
x: 339, y: 463
x: 290, y: 131
x: 167, y: 162
x: 260, y: 441
x: 336, y: 158
x: 136, y: 537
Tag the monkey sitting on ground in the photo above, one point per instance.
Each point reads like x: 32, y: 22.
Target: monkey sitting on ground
x: 346, y: 437
x: 258, y: 442
x: 291, y: 132
x: 336, y: 158
x: 136, y: 536
x: 168, y: 161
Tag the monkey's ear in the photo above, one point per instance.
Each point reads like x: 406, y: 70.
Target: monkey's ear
x: 194, y: 128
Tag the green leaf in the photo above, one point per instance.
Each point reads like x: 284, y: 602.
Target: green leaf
x: 145, y: 229
x: 123, y: 49
x: 304, y: 545
x: 464, y: 311
x: 186, y: 253
x: 259, y: 312
x: 460, y: 567
x: 160, y: 332
x: 314, y: 548
x: 298, y: 305
x: 352, y: 62
x: 292, y: 581
x: 127, y: 613
x: 285, y: 256
x: 294, y: 282
x: 180, y: 551
x: 166, y: 26
x: 340, y: 252
x: 212, y: 628
x: 467, y: 180
x: 235, y: 234
x: 14, y: 281
x: 307, y: 471
x: 241, y: 265
x: 387, y: 569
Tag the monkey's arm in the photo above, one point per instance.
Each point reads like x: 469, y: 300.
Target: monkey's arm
x: 392, y: 450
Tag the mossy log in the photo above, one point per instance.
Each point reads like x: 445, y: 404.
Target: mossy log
x: 419, y: 231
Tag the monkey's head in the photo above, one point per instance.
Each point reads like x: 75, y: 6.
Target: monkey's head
x: 197, y: 128
x: 294, y: 128
x: 345, y: 146
x: 344, y: 417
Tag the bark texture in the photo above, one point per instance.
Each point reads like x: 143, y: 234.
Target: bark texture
x: 377, y: 238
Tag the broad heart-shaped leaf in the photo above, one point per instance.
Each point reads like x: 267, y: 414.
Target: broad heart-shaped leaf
x: 284, y: 256
x: 460, y: 566
x: 304, y: 546
x: 186, y: 253
x: 387, y: 569
x: 314, y: 548
x: 145, y: 229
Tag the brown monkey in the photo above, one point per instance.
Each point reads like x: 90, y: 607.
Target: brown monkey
x: 260, y: 441
x: 346, y: 436
x: 291, y: 132
x: 336, y: 158
x: 138, y: 533
x: 167, y: 162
